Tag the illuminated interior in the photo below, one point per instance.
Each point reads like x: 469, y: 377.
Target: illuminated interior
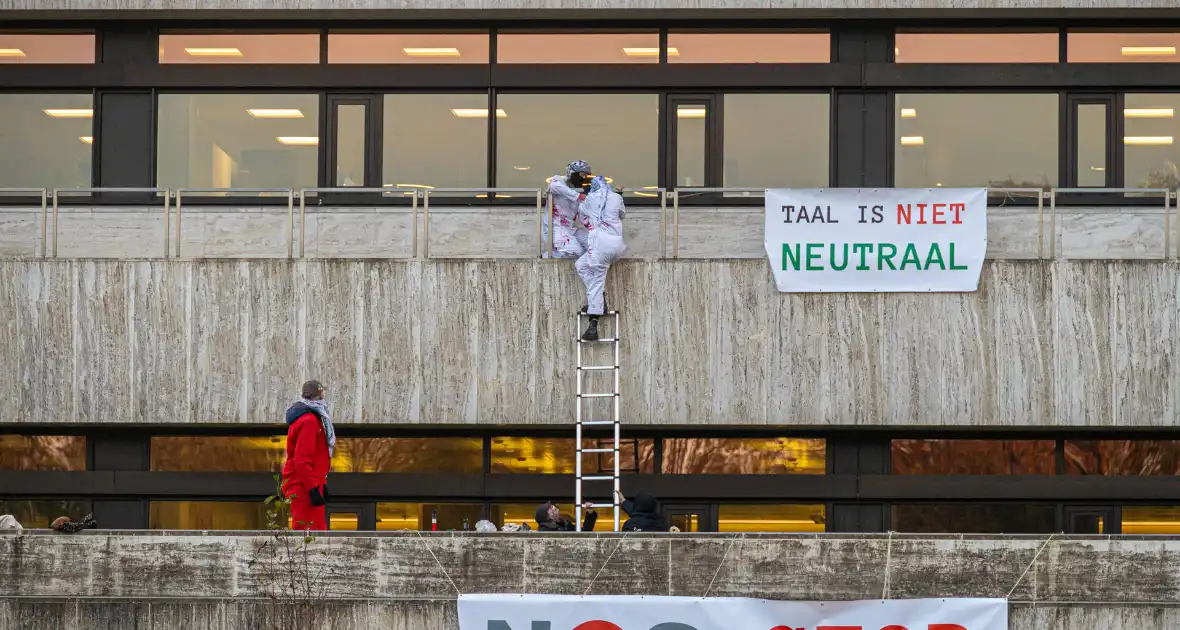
x: 744, y: 456
x: 975, y: 47
x: 397, y: 48
x: 42, y: 452
x: 1151, y: 520
x: 239, y: 48
x: 210, y: 515
x: 417, y: 516
x: 549, y: 456
x: 47, y: 48
x: 771, y: 518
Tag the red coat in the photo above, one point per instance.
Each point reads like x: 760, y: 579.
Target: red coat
x: 307, y: 457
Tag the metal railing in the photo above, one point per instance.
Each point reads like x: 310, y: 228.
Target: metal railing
x: 59, y: 192
x: 288, y: 192
x: 697, y: 190
x: 1166, y: 193
x: 43, y: 193
x: 538, y: 192
x: 384, y: 191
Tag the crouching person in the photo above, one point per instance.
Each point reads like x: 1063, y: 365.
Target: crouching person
x: 550, y: 519
x: 311, y: 440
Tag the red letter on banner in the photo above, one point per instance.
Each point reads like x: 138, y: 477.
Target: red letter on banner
x: 946, y: 626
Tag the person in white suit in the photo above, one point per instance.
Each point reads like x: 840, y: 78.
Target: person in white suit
x: 569, y: 230
x: 603, y: 211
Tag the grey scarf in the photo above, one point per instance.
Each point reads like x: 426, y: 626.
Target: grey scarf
x: 320, y: 409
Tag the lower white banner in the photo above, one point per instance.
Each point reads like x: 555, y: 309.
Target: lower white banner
x: 633, y: 612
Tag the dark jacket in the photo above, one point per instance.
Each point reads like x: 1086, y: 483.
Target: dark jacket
x: 645, y: 515
x: 562, y: 524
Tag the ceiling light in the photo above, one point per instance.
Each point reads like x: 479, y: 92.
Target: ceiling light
x: 87, y: 139
x: 213, y: 52
x: 1161, y: 112
x: 1147, y: 140
x: 431, y: 52
x: 498, y: 196
x: 1149, y: 51
x: 300, y: 141
x: 477, y: 113
x: 70, y: 113
x: 912, y: 141
x: 647, y: 194
x: 414, y: 186
x: 690, y: 112
x: 11, y: 52
x: 521, y: 168
x: 909, y: 113
x: 275, y: 113
x: 1098, y: 168
x: 649, y: 52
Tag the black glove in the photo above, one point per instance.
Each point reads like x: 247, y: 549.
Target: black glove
x: 324, y: 491
x: 317, y: 499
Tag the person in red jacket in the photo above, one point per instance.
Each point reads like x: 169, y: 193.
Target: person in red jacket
x: 311, y: 440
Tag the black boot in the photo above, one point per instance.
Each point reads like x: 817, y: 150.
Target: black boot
x: 591, y: 333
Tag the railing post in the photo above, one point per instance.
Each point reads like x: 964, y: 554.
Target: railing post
x: 1041, y: 224
x: 414, y: 226
x: 426, y: 224
x: 55, y: 203
x: 302, y: 221
x: 167, y: 220
x: 179, y: 202
x: 676, y: 223
x: 1053, y: 224
x: 290, y: 223
x: 1167, y: 225
x: 44, y: 222
x: 663, y: 224
x: 540, y: 225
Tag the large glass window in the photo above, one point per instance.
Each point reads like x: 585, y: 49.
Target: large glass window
x: 1150, y: 152
x: 225, y: 48
x: 578, y: 48
x: 218, y: 453
x: 361, y: 455
x: 518, y: 513
x: 771, y: 518
x: 974, y: 519
x: 238, y: 140
x: 1122, y: 457
x: 776, y: 140
x: 436, y: 140
x: 1125, y: 47
x: 713, y: 47
x: 211, y: 515
x: 417, y: 516
x: 973, y: 457
x: 39, y: 514
x: 408, y: 48
x: 1151, y: 519
x: 539, y: 134
x: 976, y: 47
x: 996, y: 140
x: 46, y: 48
x: 744, y: 456
x: 42, y: 452
x: 548, y: 456
x: 45, y: 140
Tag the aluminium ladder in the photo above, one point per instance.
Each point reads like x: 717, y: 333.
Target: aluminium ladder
x: 613, y: 422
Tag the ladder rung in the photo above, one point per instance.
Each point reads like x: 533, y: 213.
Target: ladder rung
x: 599, y: 478
x: 596, y: 423
x: 602, y: 505
x: 598, y: 450
x: 585, y: 314
x: 606, y: 340
x: 599, y: 367
x: 597, y: 395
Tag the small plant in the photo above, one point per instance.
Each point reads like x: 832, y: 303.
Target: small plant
x: 289, y: 579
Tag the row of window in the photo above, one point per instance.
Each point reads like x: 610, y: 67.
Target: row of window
x: 431, y: 141
x: 643, y: 46
x: 799, y: 518
x: 532, y: 455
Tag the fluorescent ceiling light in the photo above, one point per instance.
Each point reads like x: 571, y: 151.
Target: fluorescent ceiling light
x: 498, y: 196
x: 909, y: 113
x: 431, y: 52
x: 649, y: 52
x: 213, y: 52
x: 87, y: 139
x: 414, y: 186
x: 1160, y: 112
x: 912, y: 141
x: 1098, y: 168
x: 275, y: 113
x: 70, y: 113
x: 11, y: 52
x: 690, y: 112
x: 1147, y: 140
x: 1149, y: 51
x: 299, y: 141
x: 477, y: 113
x: 521, y: 168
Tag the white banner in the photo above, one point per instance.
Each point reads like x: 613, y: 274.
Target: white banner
x: 876, y: 239
x: 633, y: 612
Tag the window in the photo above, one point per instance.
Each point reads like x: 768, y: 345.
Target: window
x: 622, y: 146
x: 45, y: 48
x: 408, y: 48
x: 361, y: 455
x: 690, y: 145
x: 218, y: 453
x: 688, y: 47
x: 973, y: 457
x: 995, y: 140
x: 502, y: 513
x: 225, y: 48
x: 578, y: 48
x: 436, y: 140
x: 40, y: 514
x: 238, y: 140
x: 1122, y: 457
x: 551, y: 456
x: 771, y: 518
x: 1129, y: 47
x: 1151, y: 520
x: 744, y: 456
x: 211, y: 515
x: 45, y: 140
x: 776, y: 140
x: 974, y: 519
x: 42, y: 452
x: 976, y: 47
x: 1150, y: 152
x: 1090, y: 157
x: 417, y: 516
